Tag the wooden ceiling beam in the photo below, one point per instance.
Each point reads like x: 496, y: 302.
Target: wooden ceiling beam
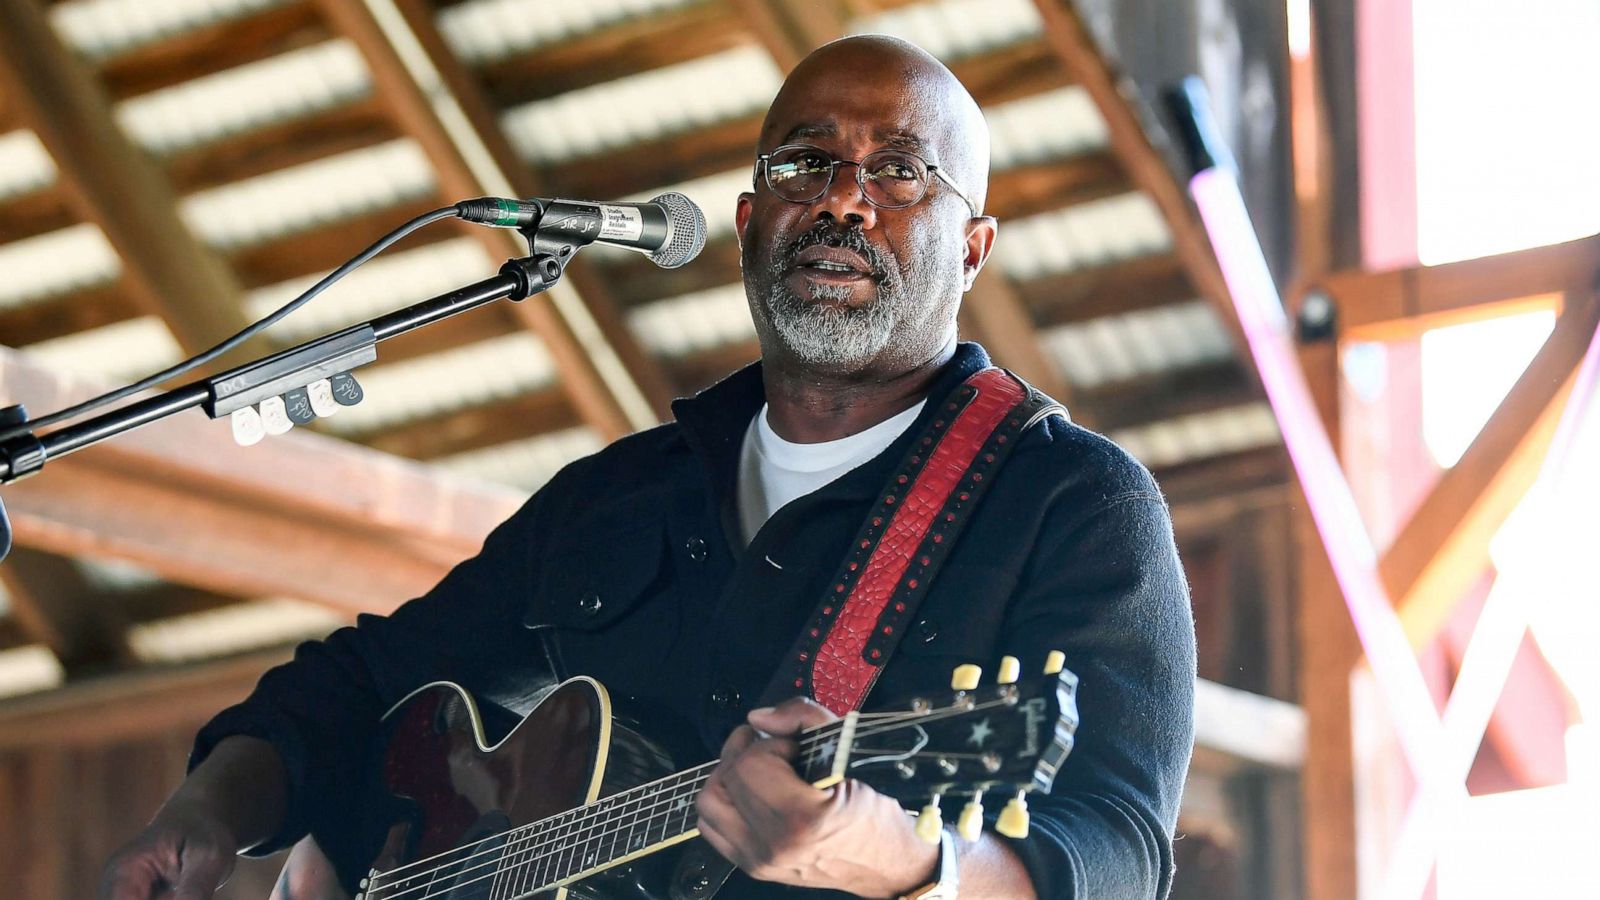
x: 214, y: 48
x: 341, y: 129
x: 1003, y: 324
x: 615, y: 386
x: 300, y: 515
x: 1068, y: 36
x: 789, y: 29
x: 131, y: 704
x: 329, y: 244
x: 1049, y: 186
x: 638, y: 168
x: 637, y: 45
x: 111, y: 183
x: 36, y: 212
x: 58, y: 608
x: 1167, y: 395
x: 1143, y: 282
x: 59, y: 316
x: 1403, y: 303
x: 1012, y: 72
x: 637, y: 281
x: 1444, y: 547
x: 475, y: 428
x: 701, y: 370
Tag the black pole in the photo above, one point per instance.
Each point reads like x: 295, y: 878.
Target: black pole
x: 22, y: 453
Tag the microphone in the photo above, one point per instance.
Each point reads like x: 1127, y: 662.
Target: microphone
x: 670, y: 229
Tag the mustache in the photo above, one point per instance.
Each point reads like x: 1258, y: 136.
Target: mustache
x: 832, y: 233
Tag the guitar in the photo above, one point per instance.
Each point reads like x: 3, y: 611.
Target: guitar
x: 546, y: 810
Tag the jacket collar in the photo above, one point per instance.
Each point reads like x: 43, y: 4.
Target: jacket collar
x: 714, y: 422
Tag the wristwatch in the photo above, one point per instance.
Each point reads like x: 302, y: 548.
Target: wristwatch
x: 944, y: 885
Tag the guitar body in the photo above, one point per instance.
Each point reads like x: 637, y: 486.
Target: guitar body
x: 575, y: 803
x: 449, y: 788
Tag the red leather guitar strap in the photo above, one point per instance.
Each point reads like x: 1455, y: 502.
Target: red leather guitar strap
x: 908, y: 535
x: 899, y: 549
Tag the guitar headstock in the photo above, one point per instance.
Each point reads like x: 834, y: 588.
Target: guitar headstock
x: 1010, y: 737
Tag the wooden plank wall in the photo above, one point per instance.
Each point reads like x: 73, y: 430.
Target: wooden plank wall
x: 68, y: 807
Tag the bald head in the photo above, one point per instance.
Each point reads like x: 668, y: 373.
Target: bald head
x: 902, y: 90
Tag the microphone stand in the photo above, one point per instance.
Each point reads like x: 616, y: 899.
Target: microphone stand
x: 22, y: 453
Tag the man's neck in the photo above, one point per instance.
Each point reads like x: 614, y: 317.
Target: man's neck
x: 808, y: 407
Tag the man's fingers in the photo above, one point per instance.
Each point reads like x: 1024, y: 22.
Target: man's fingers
x: 791, y: 716
x: 742, y: 737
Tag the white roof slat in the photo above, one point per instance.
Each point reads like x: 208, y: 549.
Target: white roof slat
x: 25, y: 165
x: 386, y: 283
x: 102, y: 28
x: 300, y: 197
x: 952, y: 29
x: 121, y: 351
x: 55, y: 263
x: 643, y: 107
x: 526, y: 463
x: 283, y: 87
x: 472, y: 375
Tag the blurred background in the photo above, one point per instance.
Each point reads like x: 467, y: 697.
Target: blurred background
x: 1421, y: 181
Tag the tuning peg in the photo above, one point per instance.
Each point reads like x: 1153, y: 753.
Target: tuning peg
x: 1055, y: 662
x: 1010, y: 670
x: 966, y: 677
x: 970, y: 825
x: 1013, y: 822
x: 930, y: 821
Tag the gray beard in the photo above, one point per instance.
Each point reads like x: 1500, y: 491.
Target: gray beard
x: 827, y: 335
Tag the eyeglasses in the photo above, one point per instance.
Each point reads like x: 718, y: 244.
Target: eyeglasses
x: 889, y: 178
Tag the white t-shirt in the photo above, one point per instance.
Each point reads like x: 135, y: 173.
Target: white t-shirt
x: 773, y: 471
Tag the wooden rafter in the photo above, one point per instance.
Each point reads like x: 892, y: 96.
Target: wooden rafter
x: 1143, y: 282
x: 111, y: 183
x: 1444, y: 546
x: 637, y: 45
x: 1003, y: 324
x: 1404, y: 303
x: 1147, y: 170
x: 56, y: 607
x: 213, y: 48
x: 613, y: 385
x: 540, y: 412
x: 300, y: 515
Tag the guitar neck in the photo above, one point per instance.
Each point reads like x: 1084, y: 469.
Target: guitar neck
x: 630, y: 824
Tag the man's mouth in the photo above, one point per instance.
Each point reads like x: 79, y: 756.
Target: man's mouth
x: 834, y: 265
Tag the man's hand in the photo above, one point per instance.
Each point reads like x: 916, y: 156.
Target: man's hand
x: 184, y: 854
x: 756, y: 811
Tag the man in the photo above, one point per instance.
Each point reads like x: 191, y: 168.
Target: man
x: 678, y: 566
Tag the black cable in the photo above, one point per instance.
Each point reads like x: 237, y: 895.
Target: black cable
x: 250, y: 331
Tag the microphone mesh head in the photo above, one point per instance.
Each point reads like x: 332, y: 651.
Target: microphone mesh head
x: 688, y: 231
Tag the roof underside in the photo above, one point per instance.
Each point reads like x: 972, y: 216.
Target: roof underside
x: 284, y: 154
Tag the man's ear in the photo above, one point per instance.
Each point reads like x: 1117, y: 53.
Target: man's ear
x: 741, y: 216
x: 981, y: 233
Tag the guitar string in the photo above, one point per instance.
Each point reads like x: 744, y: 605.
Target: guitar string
x: 811, y: 743
x: 565, y: 831
x: 820, y: 733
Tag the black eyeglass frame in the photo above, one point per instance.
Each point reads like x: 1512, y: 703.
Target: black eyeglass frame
x: 764, y: 169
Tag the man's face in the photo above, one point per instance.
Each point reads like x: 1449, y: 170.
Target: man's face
x: 839, y: 284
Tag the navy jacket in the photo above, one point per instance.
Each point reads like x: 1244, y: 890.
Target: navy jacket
x: 629, y: 561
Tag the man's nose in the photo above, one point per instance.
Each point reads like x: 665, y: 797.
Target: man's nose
x: 843, y: 200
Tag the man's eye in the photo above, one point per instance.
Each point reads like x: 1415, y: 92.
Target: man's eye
x: 894, y: 170
x: 812, y: 162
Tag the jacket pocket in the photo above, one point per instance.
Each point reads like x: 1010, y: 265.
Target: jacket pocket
x: 593, y: 585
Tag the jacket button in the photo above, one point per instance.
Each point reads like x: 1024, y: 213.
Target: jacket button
x: 725, y: 697
x: 697, y: 548
x: 927, y: 630
x: 589, y: 604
